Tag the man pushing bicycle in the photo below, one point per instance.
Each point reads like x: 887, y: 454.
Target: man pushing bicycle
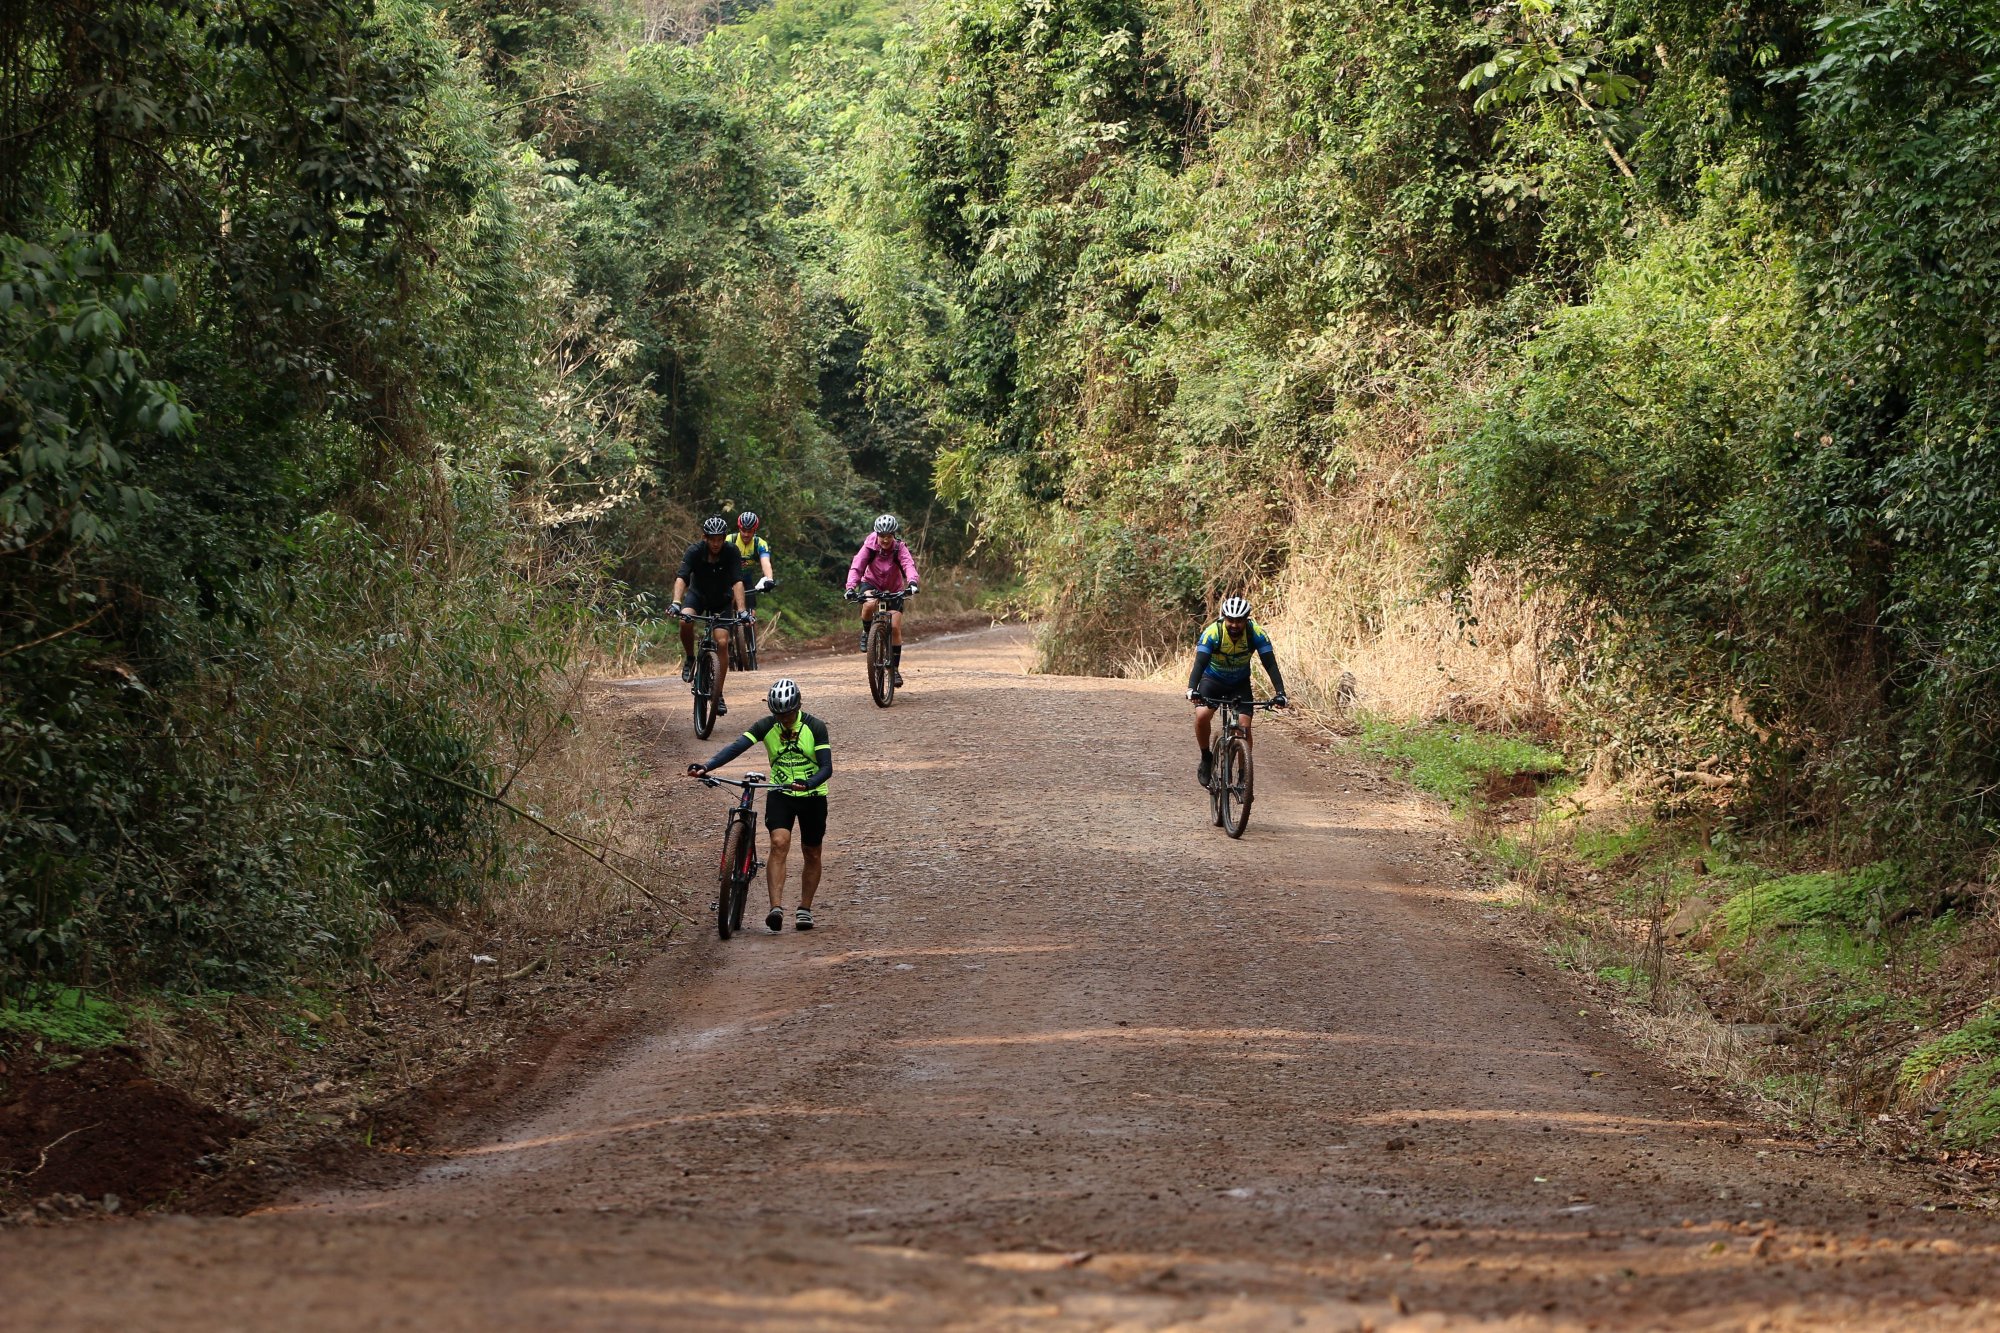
x: 801, y: 753
x: 1222, y: 671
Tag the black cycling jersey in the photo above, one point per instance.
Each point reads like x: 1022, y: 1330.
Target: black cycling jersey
x: 712, y: 578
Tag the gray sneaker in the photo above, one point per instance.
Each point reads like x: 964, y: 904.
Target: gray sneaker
x: 803, y: 920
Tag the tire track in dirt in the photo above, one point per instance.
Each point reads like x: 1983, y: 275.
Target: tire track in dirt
x: 1051, y: 1014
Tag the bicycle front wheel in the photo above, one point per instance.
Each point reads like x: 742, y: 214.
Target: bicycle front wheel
x: 704, y: 692
x: 1215, y: 785
x: 881, y: 678
x: 729, y: 886
x: 1236, y: 786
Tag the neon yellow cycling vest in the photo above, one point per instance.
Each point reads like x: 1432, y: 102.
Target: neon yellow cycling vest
x: 793, y: 759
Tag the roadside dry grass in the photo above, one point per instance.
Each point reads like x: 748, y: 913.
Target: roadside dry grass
x: 325, y: 1063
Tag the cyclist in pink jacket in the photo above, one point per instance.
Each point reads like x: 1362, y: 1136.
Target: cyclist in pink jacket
x: 883, y: 564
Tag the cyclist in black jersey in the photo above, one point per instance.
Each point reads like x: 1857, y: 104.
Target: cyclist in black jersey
x: 709, y: 580
x: 800, y: 749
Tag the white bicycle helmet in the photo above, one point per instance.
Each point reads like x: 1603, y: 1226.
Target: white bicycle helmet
x: 887, y: 526
x: 783, y: 696
x: 1236, y: 608
x: 715, y: 525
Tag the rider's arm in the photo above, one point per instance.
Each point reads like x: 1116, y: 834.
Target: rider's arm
x: 854, y: 566
x: 740, y: 744
x: 1201, y: 656
x: 680, y: 588
x: 825, y: 757
x: 1270, y: 661
x: 764, y: 559
x: 909, y: 561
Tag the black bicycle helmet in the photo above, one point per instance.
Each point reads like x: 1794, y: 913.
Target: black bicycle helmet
x: 715, y: 526
x: 783, y: 696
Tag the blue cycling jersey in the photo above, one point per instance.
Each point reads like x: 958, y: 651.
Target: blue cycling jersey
x: 1230, y: 656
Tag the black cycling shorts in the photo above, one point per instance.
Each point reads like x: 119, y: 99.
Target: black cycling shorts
x: 781, y: 808
x: 1216, y: 689
x: 695, y: 602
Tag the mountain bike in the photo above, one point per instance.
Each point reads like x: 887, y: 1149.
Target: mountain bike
x: 881, y: 635
x: 1231, y: 782
x: 743, y: 643
x: 705, y: 663
x: 739, y: 850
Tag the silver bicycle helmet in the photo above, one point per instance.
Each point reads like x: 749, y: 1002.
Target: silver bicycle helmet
x: 1236, y: 608
x: 715, y: 526
x: 783, y: 696
x: 886, y: 525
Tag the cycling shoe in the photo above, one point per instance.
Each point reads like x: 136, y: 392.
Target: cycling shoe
x: 775, y: 919
x: 804, y: 920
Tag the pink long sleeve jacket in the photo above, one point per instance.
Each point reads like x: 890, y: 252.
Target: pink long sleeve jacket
x: 883, y: 570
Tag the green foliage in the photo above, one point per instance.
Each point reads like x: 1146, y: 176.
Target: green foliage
x: 1856, y: 899
x: 1960, y: 1071
x: 66, y: 1017
x: 471, y: 306
x: 1455, y: 762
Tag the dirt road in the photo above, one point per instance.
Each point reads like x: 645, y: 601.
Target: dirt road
x: 1062, y: 1056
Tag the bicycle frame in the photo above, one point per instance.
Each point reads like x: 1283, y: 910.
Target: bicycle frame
x: 733, y: 881
x: 1230, y: 790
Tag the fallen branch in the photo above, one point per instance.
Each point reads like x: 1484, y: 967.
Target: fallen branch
x: 562, y: 715
x: 519, y: 972
x: 594, y: 853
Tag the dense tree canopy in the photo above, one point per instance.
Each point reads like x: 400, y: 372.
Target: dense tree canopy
x: 363, y: 361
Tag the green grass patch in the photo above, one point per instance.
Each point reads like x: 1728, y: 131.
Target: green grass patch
x: 1462, y: 765
x: 1606, y: 847
x: 65, y: 1018
x: 1961, y: 1068
x: 1857, y: 899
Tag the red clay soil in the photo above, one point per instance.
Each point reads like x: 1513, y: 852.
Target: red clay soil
x: 1062, y: 1056
x: 102, y: 1126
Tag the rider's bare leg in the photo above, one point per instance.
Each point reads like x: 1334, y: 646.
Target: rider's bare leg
x: 808, y: 875
x: 687, y: 638
x: 774, y: 867
x: 1203, y: 715
x: 721, y: 637
x: 896, y: 628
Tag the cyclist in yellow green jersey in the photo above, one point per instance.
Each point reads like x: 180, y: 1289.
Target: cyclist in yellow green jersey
x: 1222, y: 670
x: 752, y: 547
x: 800, y: 749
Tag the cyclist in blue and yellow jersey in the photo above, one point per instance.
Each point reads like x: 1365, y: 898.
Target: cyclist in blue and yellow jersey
x: 1222, y: 669
x: 752, y: 547
x: 800, y: 749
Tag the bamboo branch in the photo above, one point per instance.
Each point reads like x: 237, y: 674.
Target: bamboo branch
x: 46, y: 638
x: 594, y: 853
x: 561, y: 713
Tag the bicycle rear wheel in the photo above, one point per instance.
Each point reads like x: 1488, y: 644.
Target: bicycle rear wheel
x: 729, y: 886
x: 881, y: 678
x: 1237, y: 791
x: 704, y: 691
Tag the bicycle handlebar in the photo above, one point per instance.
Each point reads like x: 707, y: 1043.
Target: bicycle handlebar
x: 862, y: 592
x: 754, y: 782
x: 1217, y: 701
